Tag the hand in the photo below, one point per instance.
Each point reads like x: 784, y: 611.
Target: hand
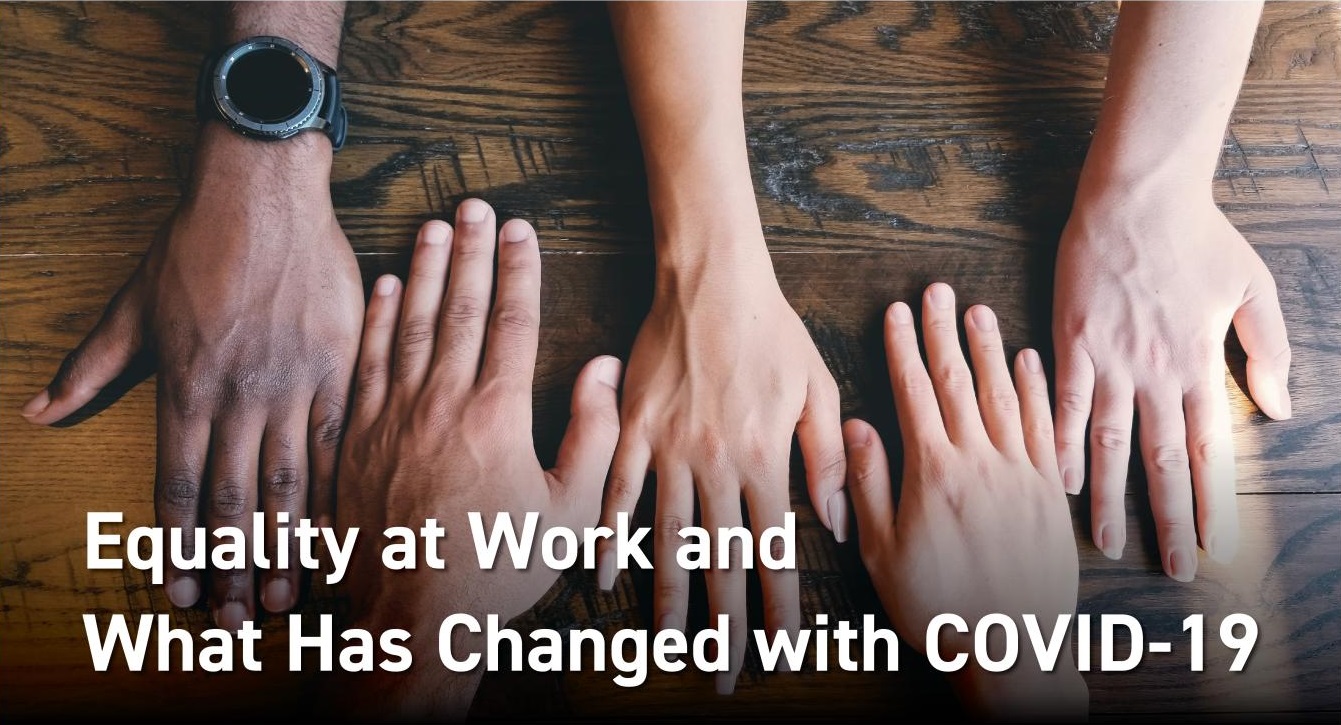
x: 721, y: 374
x: 249, y: 304
x: 982, y: 525
x: 1147, y: 284
x: 441, y: 426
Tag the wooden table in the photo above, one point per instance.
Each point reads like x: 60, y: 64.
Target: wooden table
x: 892, y: 145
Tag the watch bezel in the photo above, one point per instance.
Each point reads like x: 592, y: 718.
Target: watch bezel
x: 301, y: 120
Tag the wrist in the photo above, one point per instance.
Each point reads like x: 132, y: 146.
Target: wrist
x: 234, y: 164
x: 1112, y: 171
x: 1109, y: 190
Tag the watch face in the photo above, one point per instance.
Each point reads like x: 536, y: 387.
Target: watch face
x: 269, y: 84
x: 268, y: 87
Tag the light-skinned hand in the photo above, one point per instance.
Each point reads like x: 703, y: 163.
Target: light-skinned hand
x: 981, y: 525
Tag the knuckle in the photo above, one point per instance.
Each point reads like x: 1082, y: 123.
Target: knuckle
x: 371, y: 375
x: 416, y: 333
x: 1039, y: 428
x: 1113, y: 439
x: 1003, y: 399
x: 1072, y: 401
x: 180, y: 491
x: 1206, y: 451
x: 330, y: 427
x: 624, y: 488
x: 514, y: 319
x: 228, y: 500
x: 283, y: 482
x: 524, y: 262
x: 461, y: 310
x: 1169, y: 459
x: 911, y: 381
x: 954, y: 377
x: 832, y: 465
x: 866, y: 479
x: 668, y: 527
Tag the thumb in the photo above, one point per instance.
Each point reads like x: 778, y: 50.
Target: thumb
x: 1261, y: 329
x: 98, y: 360
x: 820, y: 435
x: 587, y: 447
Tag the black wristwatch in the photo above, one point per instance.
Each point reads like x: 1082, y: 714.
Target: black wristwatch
x: 267, y: 87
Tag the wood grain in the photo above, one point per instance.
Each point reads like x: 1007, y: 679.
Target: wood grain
x: 893, y: 144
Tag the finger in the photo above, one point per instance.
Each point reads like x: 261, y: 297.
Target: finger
x: 726, y: 586
x: 1075, y: 396
x: 183, y: 450
x: 628, y: 470
x: 670, y: 581
x: 374, y: 366
x: 103, y: 355
x: 584, y: 455
x: 1036, y: 414
x: 914, y: 399
x: 1210, y: 443
x: 868, y: 483
x: 997, y: 402
x: 1110, y: 448
x: 950, y: 374
x: 819, y: 432
x: 1164, y: 450
x: 327, y: 421
x: 514, y: 326
x: 284, y: 476
x: 768, y: 501
x: 466, y: 309
x: 419, y: 308
x: 1261, y: 329
x: 234, y: 457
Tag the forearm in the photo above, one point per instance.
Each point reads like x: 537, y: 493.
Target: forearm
x: 1173, y: 78
x: 683, y: 64
x: 315, y: 26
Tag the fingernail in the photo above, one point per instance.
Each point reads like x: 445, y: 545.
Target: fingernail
x: 1071, y: 479
x: 1182, y: 566
x: 385, y: 286
x: 837, y: 506
x: 984, y: 319
x: 516, y: 231
x: 608, y: 372
x: 941, y: 295
x: 277, y: 596
x: 1033, y: 364
x: 231, y: 616
x: 435, y: 233
x: 605, y: 572
x: 473, y: 211
x: 183, y: 592
x: 726, y: 683
x: 38, y: 404
x: 1109, y: 542
x: 901, y: 313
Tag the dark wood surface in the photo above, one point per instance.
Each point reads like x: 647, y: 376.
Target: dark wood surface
x: 892, y: 145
